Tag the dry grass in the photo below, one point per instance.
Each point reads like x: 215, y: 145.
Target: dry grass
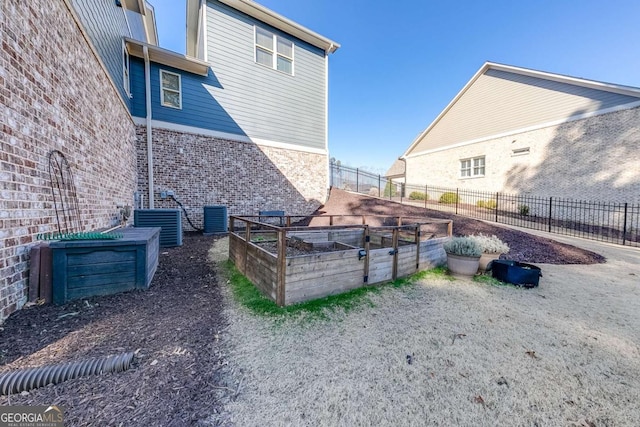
x: 565, y: 353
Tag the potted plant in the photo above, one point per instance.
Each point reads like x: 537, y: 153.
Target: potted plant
x: 492, y: 248
x: 463, y: 256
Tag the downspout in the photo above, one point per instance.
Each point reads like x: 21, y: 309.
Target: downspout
x: 326, y: 114
x: 147, y: 82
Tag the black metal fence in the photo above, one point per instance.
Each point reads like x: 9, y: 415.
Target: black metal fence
x: 609, y: 222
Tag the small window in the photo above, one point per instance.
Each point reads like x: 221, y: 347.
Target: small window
x: 273, y: 51
x: 125, y: 70
x: 470, y: 168
x: 170, y: 89
x: 520, y: 151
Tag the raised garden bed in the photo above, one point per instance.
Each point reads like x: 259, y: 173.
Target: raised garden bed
x: 300, y: 263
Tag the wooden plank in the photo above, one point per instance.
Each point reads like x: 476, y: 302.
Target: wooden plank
x: 282, y: 268
x: 93, y: 255
x: 95, y: 269
x: 323, y: 266
x: 34, y: 272
x: 322, y: 257
x: 102, y: 280
x: 91, y: 291
x: 335, y: 270
x: 46, y: 274
x: 313, y: 290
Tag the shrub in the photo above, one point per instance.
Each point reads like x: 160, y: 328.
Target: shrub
x: 390, y: 189
x: 449, y: 197
x: 374, y: 191
x: 417, y: 195
x: 490, y: 244
x: 463, y: 246
x: 489, y: 204
x: 524, y: 210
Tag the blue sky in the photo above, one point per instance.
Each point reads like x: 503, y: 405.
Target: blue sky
x: 402, y: 62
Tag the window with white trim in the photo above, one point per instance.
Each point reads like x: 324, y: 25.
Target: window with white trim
x: 273, y: 51
x: 125, y: 70
x: 170, y: 89
x: 470, y: 168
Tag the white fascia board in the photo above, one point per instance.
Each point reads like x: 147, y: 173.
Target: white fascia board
x: 278, y: 21
x: 167, y: 57
x: 158, y: 124
x: 530, y: 128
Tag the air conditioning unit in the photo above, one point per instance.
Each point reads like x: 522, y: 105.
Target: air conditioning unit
x: 215, y: 219
x: 169, y: 220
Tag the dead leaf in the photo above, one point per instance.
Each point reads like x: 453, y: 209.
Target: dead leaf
x: 532, y: 354
x: 457, y: 336
x: 479, y: 399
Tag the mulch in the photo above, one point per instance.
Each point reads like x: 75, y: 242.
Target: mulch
x: 524, y: 247
x: 178, y: 374
x: 174, y: 326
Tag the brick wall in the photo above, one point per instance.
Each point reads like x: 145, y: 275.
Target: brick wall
x: 590, y: 159
x: 245, y: 177
x: 54, y: 95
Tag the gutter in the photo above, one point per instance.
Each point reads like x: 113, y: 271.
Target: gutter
x: 147, y: 83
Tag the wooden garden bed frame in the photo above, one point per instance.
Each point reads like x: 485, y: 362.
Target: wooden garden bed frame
x: 381, y: 254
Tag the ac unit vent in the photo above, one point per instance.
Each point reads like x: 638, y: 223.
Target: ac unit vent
x: 215, y: 219
x: 169, y: 220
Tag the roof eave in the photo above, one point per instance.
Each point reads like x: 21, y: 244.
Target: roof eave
x: 278, y: 21
x: 167, y: 57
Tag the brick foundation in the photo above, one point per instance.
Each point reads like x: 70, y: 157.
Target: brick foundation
x: 245, y: 177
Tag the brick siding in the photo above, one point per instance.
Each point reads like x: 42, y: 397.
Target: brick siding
x: 54, y: 95
x: 245, y: 177
x: 590, y: 159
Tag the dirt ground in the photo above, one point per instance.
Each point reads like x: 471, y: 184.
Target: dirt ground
x: 180, y: 375
x: 174, y: 327
x: 524, y: 247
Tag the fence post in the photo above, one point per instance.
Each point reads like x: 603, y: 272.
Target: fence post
x: 457, y: 196
x: 550, y: 212
x: 357, y: 180
x: 624, y: 226
x: 379, y: 184
x: 426, y: 195
x: 497, y: 195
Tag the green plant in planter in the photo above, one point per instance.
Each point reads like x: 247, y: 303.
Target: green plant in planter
x: 463, y: 246
x: 490, y: 244
x: 463, y: 256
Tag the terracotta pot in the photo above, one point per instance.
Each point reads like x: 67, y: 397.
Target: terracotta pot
x: 462, y: 266
x: 485, y: 259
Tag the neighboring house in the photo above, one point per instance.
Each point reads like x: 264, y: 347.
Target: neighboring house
x: 240, y: 121
x: 518, y: 130
x: 395, y: 174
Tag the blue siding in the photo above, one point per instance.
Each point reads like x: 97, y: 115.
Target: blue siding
x: 105, y: 25
x: 199, y: 108
x: 266, y: 103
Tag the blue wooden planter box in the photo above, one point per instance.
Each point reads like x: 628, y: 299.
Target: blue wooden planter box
x: 85, y: 268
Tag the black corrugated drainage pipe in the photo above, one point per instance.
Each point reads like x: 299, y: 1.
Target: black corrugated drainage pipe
x: 31, y: 378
